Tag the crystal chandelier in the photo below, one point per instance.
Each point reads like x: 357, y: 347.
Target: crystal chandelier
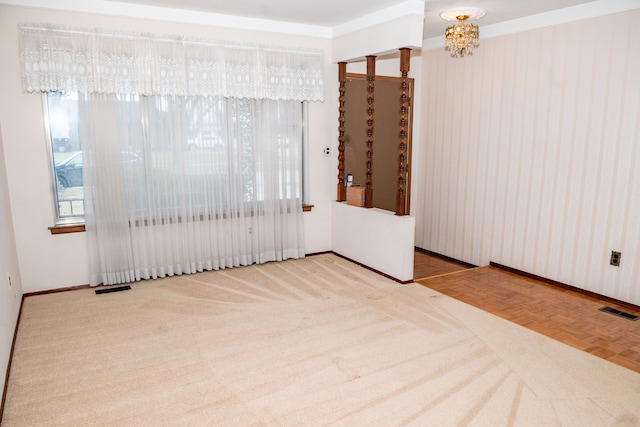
x: 462, y: 37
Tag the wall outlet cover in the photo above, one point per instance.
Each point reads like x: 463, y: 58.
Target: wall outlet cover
x: 615, y: 258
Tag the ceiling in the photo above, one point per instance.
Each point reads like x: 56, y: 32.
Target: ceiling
x: 329, y: 13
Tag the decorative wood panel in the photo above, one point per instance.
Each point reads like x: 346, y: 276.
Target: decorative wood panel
x: 371, y: 77
x: 342, y: 79
x: 401, y: 199
x: 385, y: 163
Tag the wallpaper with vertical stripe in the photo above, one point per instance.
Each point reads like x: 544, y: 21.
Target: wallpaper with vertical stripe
x: 530, y: 154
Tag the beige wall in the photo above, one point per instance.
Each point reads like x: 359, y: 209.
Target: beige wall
x: 49, y: 262
x: 376, y: 238
x: 530, y: 151
x: 10, y: 295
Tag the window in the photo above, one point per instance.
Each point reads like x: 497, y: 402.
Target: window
x: 190, y: 142
x: 61, y: 116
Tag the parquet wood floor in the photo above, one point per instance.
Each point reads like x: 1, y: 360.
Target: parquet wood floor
x: 565, y: 315
x: 426, y: 265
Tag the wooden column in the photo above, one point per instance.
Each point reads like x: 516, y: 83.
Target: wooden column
x: 342, y: 79
x: 401, y: 197
x: 371, y: 78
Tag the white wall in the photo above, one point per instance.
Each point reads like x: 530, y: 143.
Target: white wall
x: 529, y: 153
x: 376, y: 238
x: 380, y: 39
x: 49, y: 262
x: 381, y: 32
x: 10, y: 296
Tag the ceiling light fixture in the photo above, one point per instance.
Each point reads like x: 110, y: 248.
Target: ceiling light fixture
x: 462, y: 37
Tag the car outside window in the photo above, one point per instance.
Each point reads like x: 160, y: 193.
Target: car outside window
x: 61, y: 117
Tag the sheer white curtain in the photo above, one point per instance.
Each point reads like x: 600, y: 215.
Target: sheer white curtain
x: 177, y: 185
x: 88, y: 60
x: 191, y: 148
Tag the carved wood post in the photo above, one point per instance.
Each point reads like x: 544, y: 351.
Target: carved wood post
x: 371, y: 77
x: 342, y: 78
x: 401, y: 197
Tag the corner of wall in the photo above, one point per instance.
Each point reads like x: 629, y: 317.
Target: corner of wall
x: 10, y: 283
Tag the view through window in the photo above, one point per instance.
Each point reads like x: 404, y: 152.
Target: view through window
x: 206, y: 149
x: 66, y: 155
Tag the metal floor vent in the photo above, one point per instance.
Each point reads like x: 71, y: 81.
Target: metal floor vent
x: 109, y: 290
x: 620, y: 313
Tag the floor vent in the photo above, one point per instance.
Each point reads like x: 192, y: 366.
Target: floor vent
x: 109, y: 290
x: 620, y: 313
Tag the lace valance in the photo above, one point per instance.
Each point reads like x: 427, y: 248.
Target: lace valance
x: 94, y: 61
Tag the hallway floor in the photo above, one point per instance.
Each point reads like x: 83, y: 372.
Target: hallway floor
x: 567, y: 316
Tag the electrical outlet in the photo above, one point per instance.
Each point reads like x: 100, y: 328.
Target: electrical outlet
x: 615, y: 258
x: 326, y: 151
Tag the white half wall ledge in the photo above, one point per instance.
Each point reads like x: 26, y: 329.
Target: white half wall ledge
x: 376, y: 238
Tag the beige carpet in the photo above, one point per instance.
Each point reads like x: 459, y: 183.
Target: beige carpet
x: 317, y: 341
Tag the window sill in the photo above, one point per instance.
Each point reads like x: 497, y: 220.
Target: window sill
x: 71, y: 228
x: 80, y: 228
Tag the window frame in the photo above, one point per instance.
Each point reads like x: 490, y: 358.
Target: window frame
x: 76, y: 223
x: 71, y: 222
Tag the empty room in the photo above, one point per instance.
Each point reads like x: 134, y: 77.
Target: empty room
x: 360, y: 212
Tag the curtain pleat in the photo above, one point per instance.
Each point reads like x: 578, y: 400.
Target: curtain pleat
x: 178, y: 185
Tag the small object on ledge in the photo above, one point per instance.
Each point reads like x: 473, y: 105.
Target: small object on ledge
x: 355, y: 195
x: 349, y: 180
